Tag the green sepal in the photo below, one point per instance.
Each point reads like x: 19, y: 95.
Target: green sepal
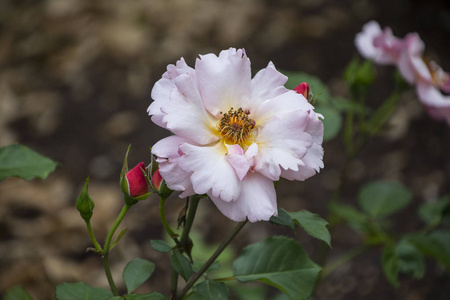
x: 164, y: 191
x: 124, y: 166
x: 130, y: 201
x: 84, y: 204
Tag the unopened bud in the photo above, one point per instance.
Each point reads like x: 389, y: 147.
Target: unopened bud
x: 84, y: 204
x: 157, y: 180
x: 303, y: 89
x: 159, y: 184
x: 134, y: 183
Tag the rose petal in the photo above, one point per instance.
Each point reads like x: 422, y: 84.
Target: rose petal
x: 267, y: 83
x: 224, y: 80
x: 212, y: 173
x: 185, y: 115
x: 257, y: 200
x: 282, y: 143
x: 167, y: 151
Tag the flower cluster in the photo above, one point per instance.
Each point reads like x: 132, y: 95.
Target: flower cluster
x: 407, y: 54
x: 233, y: 135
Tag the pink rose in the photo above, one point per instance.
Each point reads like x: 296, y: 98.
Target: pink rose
x: 233, y: 135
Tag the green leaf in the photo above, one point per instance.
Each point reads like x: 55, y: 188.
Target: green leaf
x: 411, y: 260
x: 209, y: 290
x: 313, y: 224
x: 17, y: 293
x: 316, y: 86
x: 283, y: 219
x: 151, y: 296
x: 248, y: 291
x: 80, y: 291
x: 137, y: 272
x: 160, y: 246
x: 332, y: 122
x: 196, y: 266
x: 279, y: 262
x: 436, y: 245
x: 432, y: 213
x: 382, y: 198
x: 350, y: 215
x: 343, y: 104
x: 115, y: 298
x: 20, y: 161
x: 358, y: 73
x: 391, y: 264
x: 181, y: 264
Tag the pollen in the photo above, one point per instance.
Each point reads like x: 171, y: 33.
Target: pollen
x: 235, y: 126
x: 438, y: 76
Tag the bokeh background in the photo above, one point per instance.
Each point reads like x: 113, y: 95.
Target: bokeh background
x: 75, y: 82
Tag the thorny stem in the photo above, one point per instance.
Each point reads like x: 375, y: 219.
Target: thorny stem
x: 213, y: 257
x: 173, y: 284
x: 184, y: 242
x: 189, y: 220
x: 107, y: 246
x: 93, y: 239
x: 109, y: 275
x: 166, y: 226
x: 114, y: 228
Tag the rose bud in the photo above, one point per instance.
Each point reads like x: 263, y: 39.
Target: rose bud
x: 303, y: 89
x: 84, y: 204
x: 134, y: 182
x: 157, y: 180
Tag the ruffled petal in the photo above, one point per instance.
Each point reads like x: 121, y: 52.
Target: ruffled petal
x: 160, y: 94
x: 431, y: 96
x: 313, y: 159
x: 239, y: 161
x: 279, y: 106
x: 267, y: 83
x: 364, y: 40
x: 257, y: 200
x: 163, y: 87
x: 224, y: 80
x: 212, y: 173
x: 185, y: 115
x: 168, y: 155
x: 282, y: 143
x: 446, y: 83
x: 410, y: 64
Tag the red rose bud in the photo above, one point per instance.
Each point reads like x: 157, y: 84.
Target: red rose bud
x: 137, y: 183
x: 157, y: 180
x: 303, y: 89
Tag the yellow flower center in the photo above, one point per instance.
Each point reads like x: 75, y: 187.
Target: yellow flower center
x: 235, y: 126
x: 438, y: 76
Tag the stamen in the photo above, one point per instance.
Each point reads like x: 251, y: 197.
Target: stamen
x: 235, y: 126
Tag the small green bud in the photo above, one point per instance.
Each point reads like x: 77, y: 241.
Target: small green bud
x: 85, y: 205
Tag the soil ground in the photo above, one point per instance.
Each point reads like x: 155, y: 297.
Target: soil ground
x: 75, y: 82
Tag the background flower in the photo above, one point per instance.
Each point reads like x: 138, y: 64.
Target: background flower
x: 430, y: 81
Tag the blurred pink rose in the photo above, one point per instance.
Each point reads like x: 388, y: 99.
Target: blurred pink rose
x: 378, y: 45
x: 233, y: 135
x: 407, y: 54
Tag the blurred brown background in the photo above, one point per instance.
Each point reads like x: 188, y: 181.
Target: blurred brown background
x: 75, y: 82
